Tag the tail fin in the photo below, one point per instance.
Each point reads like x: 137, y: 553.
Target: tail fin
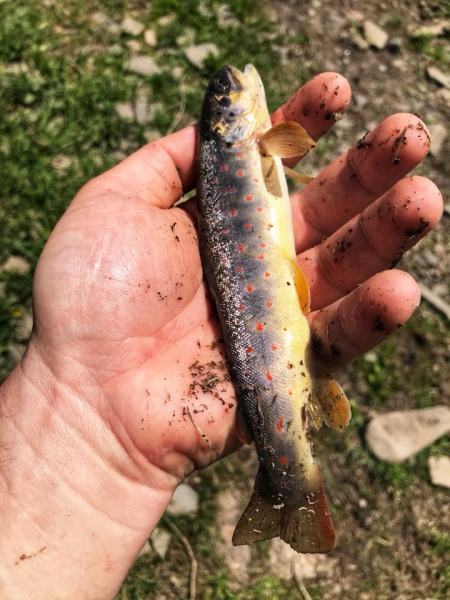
x: 307, y: 528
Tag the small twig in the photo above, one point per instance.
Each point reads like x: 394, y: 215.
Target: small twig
x: 301, y: 586
x: 436, y: 301
x: 180, y: 113
x: 190, y: 553
x: 202, y: 435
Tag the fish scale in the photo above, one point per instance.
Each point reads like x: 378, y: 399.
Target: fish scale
x: 248, y: 254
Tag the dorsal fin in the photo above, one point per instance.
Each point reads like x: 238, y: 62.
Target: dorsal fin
x: 302, y: 287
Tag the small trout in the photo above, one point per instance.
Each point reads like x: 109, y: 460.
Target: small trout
x: 262, y: 298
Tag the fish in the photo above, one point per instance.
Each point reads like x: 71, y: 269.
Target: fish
x: 262, y: 298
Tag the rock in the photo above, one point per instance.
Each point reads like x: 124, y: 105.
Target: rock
x: 438, y: 76
x: 395, y: 44
x: 24, y: 328
x: 141, y: 109
x: 184, y: 500
x: 225, y: 16
x: 438, y: 135
x: 434, y: 29
x: 134, y: 46
x: 160, y: 541
x: 238, y: 558
x: 124, y: 110
x: 436, y: 301
x: 177, y: 72
x: 398, y: 435
x: 374, y: 35
x: 61, y: 163
x: 132, y: 27
x: 142, y: 65
x: 166, y: 20
x: 358, y: 41
x: 150, y: 38
x: 16, y: 351
x: 355, y: 16
x: 151, y: 135
x: 197, y: 55
x: 146, y: 549
x: 16, y: 264
x: 439, y: 470
x: 286, y: 562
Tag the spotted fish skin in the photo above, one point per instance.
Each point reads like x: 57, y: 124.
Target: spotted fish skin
x: 248, y: 254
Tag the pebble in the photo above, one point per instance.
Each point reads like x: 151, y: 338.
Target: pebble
x: 197, y: 55
x: 438, y: 135
x: 24, y: 328
x: 225, y: 16
x: 238, y: 558
x: 359, y: 42
x: 439, y: 470
x: 141, y: 109
x: 160, y: 541
x: 444, y: 95
x: 355, y: 15
x: 146, y: 549
x: 395, y: 44
x: 166, y: 20
x: 142, y: 65
x: 398, y: 435
x: 132, y: 27
x: 134, y: 45
x: 61, y: 163
x: 438, y: 76
x: 184, y: 500
x: 374, y: 35
x: 124, y: 110
x: 150, y: 135
x: 16, y: 264
x: 150, y: 38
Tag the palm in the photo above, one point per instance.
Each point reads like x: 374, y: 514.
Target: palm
x: 120, y: 291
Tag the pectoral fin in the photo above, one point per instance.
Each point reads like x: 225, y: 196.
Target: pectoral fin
x: 300, y: 177
x: 302, y: 287
x: 287, y: 140
x: 328, y: 403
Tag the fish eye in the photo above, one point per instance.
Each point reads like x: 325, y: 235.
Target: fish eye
x: 223, y: 83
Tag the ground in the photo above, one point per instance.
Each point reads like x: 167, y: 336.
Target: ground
x: 69, y: 111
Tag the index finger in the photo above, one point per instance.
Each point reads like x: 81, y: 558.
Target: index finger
x: 163, y: 170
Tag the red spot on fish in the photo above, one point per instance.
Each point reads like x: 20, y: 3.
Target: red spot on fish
x: 284, y: 460
x: 280, y: 424
x: 239, y: 269
x: 224, y: 167
x: 241, y: 247
x: 248, y: 226
x: 290, y: 392
x: 249, y: 350
x: 259, y: 326
x: 269, y: 304
x: 224, y: 231
x: 260, y: 256
x: 284, y: 328
x: 249, y: 198
x: 240, y: 173
x: 262, y: 244
x: 259, y: 208
x: 233, y: 212
x: 241, y: 307
x: 250, y: 288
x: 267, y: 274
x: 269, y: 376
x: 274, y: 347
x: 240, y: 155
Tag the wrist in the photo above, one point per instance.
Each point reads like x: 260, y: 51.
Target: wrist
x: 71, y: 494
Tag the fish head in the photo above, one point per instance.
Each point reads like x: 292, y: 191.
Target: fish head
x: 235, y: 106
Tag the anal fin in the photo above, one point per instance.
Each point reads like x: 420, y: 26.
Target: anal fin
x: 307, y: 527
x: 328, y: 402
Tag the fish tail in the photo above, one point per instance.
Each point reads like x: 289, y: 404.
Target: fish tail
x: 306, y: 527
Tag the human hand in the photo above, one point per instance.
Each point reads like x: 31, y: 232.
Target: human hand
x: 119, y: 289
x: 125, y: 368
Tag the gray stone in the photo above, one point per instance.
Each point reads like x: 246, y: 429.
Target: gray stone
x: 374, y: 35
x: 398, y: 435
x: 134, y: 46
x: 124, y: 110
x: 146, y: 549
x: 16, y: 351
x: 197, y: 55
x: 359, y: 42
x: 286, y: 562
x: 15, y: 263
x: 438, y: 76
x: 439, y: 470
x: 132, y: 27
x: 24, y: 327
x: 184, y: 500
x: 150, y: 38
x: 151, y: 135
x: 166, y: 20
x: 225, y: 16
x: 438, y: 135
x: 62, y: 163
x: 142, y: 65
x: 160, y: 541
x: 238, y: 558
x: 141, y: 109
